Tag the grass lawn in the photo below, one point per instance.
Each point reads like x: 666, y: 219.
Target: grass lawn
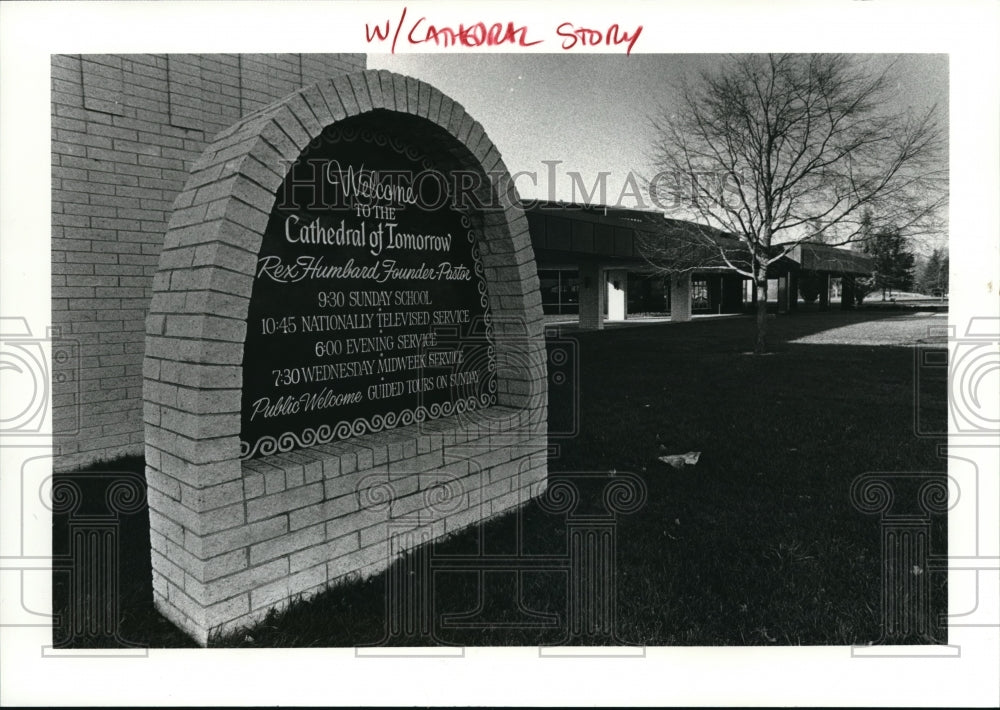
x: 759, y: 543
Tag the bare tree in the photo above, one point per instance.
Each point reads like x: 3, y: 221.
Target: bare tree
x: 773, y: 151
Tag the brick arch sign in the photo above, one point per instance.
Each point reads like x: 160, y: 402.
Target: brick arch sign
x: 344, y: 349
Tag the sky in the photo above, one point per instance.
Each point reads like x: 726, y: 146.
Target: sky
x: 592, y: 111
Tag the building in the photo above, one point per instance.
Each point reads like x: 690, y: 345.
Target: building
x: 605, y: 264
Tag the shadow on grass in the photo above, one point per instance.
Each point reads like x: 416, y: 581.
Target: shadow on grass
x: 759, y: 543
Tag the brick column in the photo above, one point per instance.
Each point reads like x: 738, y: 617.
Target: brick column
x: 680, y: 297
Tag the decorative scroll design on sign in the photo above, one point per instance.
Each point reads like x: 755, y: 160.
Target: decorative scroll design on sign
x: 325, y: 434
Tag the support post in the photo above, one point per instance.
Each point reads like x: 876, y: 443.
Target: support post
x: 793, y: 291
x: 617, y: 281
x: 591, y: 296
x: 680, y: 297
x: 824, y: 292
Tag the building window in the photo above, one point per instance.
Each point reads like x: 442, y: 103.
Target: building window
x: 560, y: 291
x: 699, y: 295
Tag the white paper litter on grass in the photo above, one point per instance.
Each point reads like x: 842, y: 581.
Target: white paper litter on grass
x: 679, y: 460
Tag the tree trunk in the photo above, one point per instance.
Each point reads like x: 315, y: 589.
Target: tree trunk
x: 761, y: 346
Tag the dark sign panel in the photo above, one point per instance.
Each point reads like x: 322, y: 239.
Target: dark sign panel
x: 369, y: 307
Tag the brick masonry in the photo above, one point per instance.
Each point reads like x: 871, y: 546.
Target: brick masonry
x: 232, y: 539
x: 126, y: 131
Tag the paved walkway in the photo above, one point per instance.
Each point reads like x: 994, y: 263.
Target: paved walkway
x: 568, y: 325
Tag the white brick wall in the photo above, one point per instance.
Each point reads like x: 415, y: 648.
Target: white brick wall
x: 126, y: 130
x: 302, y: 536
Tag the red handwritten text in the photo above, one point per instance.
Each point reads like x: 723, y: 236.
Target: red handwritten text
x: 478, y: 34
x: 584, y: 36
x: 483, y: 34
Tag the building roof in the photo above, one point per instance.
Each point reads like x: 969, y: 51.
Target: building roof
x: 564, y: 232
x: 577, y: 232
x: 822, y: 257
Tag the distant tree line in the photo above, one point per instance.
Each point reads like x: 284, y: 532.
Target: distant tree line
x: 895, y: 267
x: 895, y: 264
